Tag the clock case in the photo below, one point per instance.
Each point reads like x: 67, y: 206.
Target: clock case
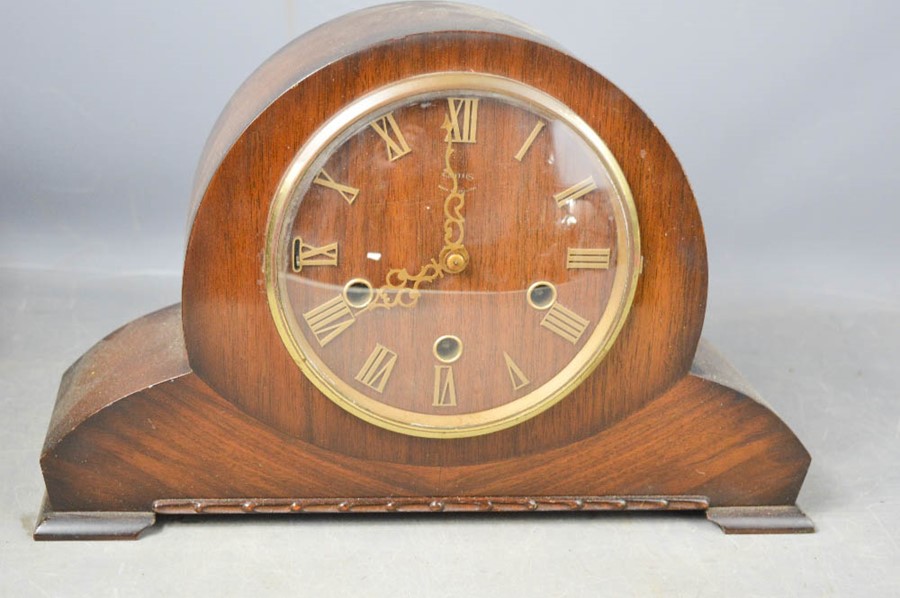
x: 199, y: 409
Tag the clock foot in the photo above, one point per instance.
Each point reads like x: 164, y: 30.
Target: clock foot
x: 783, y: 519
x: 92, y: 525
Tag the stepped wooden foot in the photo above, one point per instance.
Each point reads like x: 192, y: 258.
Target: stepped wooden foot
x: 91, y: 525
x: 786, y: 519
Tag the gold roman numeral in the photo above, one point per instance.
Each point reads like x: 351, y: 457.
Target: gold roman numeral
x: 378, y: 367
x: 444, y: 387
x: 575, y: 191
x: 463, y: 120
x: 329, y: 319
x: 516, y: 376
x: 565, y: 322
x: 531, y: 137
x: 347, y: 192
x: 593, y: 259
x: 310, y: 255
x: 390, y: 132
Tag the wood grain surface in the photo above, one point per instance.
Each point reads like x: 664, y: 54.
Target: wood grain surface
x: 181, y: 440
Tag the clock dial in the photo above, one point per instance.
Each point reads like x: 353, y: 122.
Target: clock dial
x: 451, y: 255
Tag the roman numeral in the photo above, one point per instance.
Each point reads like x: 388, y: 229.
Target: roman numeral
x: 444, y: 387
x: 575, y: 191
x: 310, y: 255
x: 516, y: 376
x: 565, y: 323
x: 593, y: 259
x: 531, y: 137
x: 378, y: 367
x: 329, y: 319
x: 389, y: 131
x: 347, y: 192
x: 463, y: 120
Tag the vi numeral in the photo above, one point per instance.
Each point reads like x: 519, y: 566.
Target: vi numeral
x: 390, y: 133
x: 444, y: 387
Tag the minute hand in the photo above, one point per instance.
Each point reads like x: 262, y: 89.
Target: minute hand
x: 402, y: 288
x: 453, y: 257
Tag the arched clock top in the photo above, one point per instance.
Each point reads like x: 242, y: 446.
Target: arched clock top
x: 332, y: 41
x: 652, y: 350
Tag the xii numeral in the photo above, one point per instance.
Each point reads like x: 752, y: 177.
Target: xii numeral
x: 310, y: 255
x: 330, y: 319
x: 390, y: 133
x: 444, y: 387
x: 594, y: 259
x: 463, y: 120
x: 565, y: 323
x: 378, y: 367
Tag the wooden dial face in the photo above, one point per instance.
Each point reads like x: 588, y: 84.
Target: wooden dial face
x: 453, y: 260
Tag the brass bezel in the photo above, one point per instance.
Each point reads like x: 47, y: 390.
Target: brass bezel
x: 510, y: 414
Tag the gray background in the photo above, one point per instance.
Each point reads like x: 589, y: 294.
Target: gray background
x: 785, y: 117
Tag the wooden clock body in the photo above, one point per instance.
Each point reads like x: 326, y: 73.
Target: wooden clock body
x: 199, y: 409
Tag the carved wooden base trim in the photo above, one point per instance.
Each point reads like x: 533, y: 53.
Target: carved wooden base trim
x: 243, y: 506
x: 761, y: 520
x: 91, y: 525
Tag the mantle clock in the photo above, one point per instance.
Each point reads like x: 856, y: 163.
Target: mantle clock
x: 434, y: 264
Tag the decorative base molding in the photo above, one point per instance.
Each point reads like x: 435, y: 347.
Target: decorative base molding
x: 115, y: 525
x: 433, y: 504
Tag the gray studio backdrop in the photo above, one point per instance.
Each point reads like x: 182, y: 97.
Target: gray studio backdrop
x: 786, y: 117
x: 783, y: 113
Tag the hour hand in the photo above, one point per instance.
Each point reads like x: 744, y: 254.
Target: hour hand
x: 402, y: 288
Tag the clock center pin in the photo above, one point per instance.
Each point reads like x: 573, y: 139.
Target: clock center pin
x: 456, y: 262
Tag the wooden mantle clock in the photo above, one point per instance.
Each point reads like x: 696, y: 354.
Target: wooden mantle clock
x: 435, y: 264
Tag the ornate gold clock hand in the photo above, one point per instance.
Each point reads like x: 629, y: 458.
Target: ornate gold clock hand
x: 402, y: 288
x: 454, y: 256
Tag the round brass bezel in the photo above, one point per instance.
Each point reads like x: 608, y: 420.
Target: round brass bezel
x: 602, y: 337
